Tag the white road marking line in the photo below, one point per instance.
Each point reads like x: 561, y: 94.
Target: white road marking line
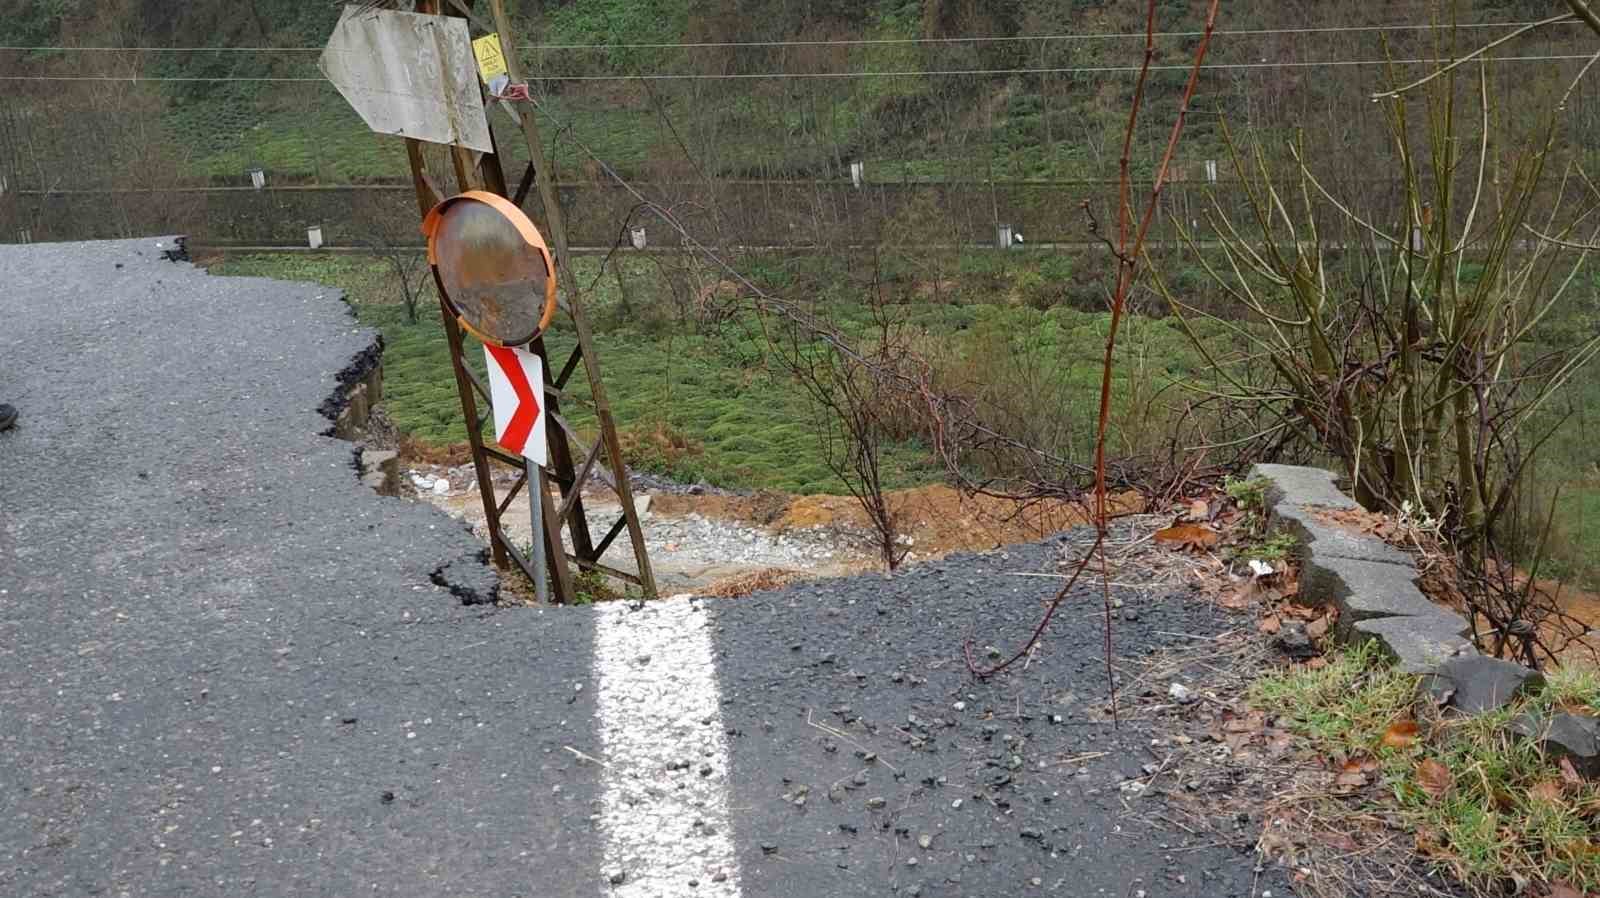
x: 664, y: 805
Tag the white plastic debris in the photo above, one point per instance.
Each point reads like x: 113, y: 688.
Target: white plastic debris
x: 1260, y: 568
x: 441, y: 487
x: 1180, y: 693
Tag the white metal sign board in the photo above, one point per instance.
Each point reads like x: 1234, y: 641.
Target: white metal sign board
x: 516, y: 386
x: 409, y: 74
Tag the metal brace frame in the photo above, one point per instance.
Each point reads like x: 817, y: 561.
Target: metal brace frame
x: 482, y: 171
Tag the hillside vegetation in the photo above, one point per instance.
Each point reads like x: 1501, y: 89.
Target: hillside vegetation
x: 1053, y: 109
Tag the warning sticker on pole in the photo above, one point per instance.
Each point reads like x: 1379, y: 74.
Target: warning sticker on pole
x: 491, y: 63
x: 516, y: 380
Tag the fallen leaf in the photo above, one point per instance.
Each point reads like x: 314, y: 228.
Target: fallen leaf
x: 1188, y: 536
x: 1250, y: 723
x: 1400, y: 734
x: 1199, y: 510
x: 1339, y: 841
x: 1570, y: 773
x: 1317, y: 663
x: 1270, y: 624
x: 1546, y: 790
x: 1434, y: 778
x: 1304, y: 612
x: 1318, y: 628
x: 1430, y: 843
x: 1563, y: 890
x: 1350, y: 779
x: 1289, y: 582
x: 1236, y: 597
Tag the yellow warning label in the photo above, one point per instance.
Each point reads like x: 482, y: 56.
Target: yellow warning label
x: 491, y: 62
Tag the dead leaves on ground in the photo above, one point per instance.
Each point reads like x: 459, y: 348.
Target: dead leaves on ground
x: 1430, y: 843
x: 1362, y: 521
x: 1434, y: 778
x: 744, y: 584
x: 1401, y: 734
x: 1353, y: 774
x: 1192, y: 527
x: 1569, y: 773
x: 1250, y: 733
x: 1194, y: 537
x: 1236, y: 592
x: 1318, y: 628
x: 1547, y: 790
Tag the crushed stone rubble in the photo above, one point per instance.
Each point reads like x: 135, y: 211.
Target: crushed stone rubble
x: 692, y: 540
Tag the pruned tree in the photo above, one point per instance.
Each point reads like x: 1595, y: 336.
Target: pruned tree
x: 1421, y: 351
x: 857, y: 407
x: 392, y: 238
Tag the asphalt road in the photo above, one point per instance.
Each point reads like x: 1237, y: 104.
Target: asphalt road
x: 226, y: 667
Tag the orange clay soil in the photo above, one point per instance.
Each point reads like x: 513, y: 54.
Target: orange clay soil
x: 937, y: 518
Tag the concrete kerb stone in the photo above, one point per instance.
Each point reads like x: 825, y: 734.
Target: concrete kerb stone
x: 1364, y: 590
x: 1477, y: 684
x: 1372, y: 583
x: 1575, y: 737
x: 1301, y: 485
x: 1331, y: 540
x: 1416, y: 644
x: 1293, y: 492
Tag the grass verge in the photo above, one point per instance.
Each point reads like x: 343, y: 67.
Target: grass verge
x: 1484, y: 805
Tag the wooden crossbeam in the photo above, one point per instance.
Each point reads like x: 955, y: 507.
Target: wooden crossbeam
x: 577, y: 486
x: 512, y: 494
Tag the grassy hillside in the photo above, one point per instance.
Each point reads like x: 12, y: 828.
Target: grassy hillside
x: 1010, y: 108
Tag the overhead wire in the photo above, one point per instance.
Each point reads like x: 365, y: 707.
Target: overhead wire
x: 851, y: 42
x: 905, y: 73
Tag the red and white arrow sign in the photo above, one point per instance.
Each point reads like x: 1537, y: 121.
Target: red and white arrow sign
x: 515, y: 381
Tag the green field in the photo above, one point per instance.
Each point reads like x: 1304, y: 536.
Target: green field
x: 710, y: 406
x: 748, y: 424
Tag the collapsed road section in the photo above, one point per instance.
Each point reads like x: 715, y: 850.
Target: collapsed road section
x: 227, y: 666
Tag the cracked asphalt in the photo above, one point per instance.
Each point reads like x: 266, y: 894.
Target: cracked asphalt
x: 227, y: 668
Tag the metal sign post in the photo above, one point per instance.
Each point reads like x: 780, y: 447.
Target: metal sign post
x: 535, y: 477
